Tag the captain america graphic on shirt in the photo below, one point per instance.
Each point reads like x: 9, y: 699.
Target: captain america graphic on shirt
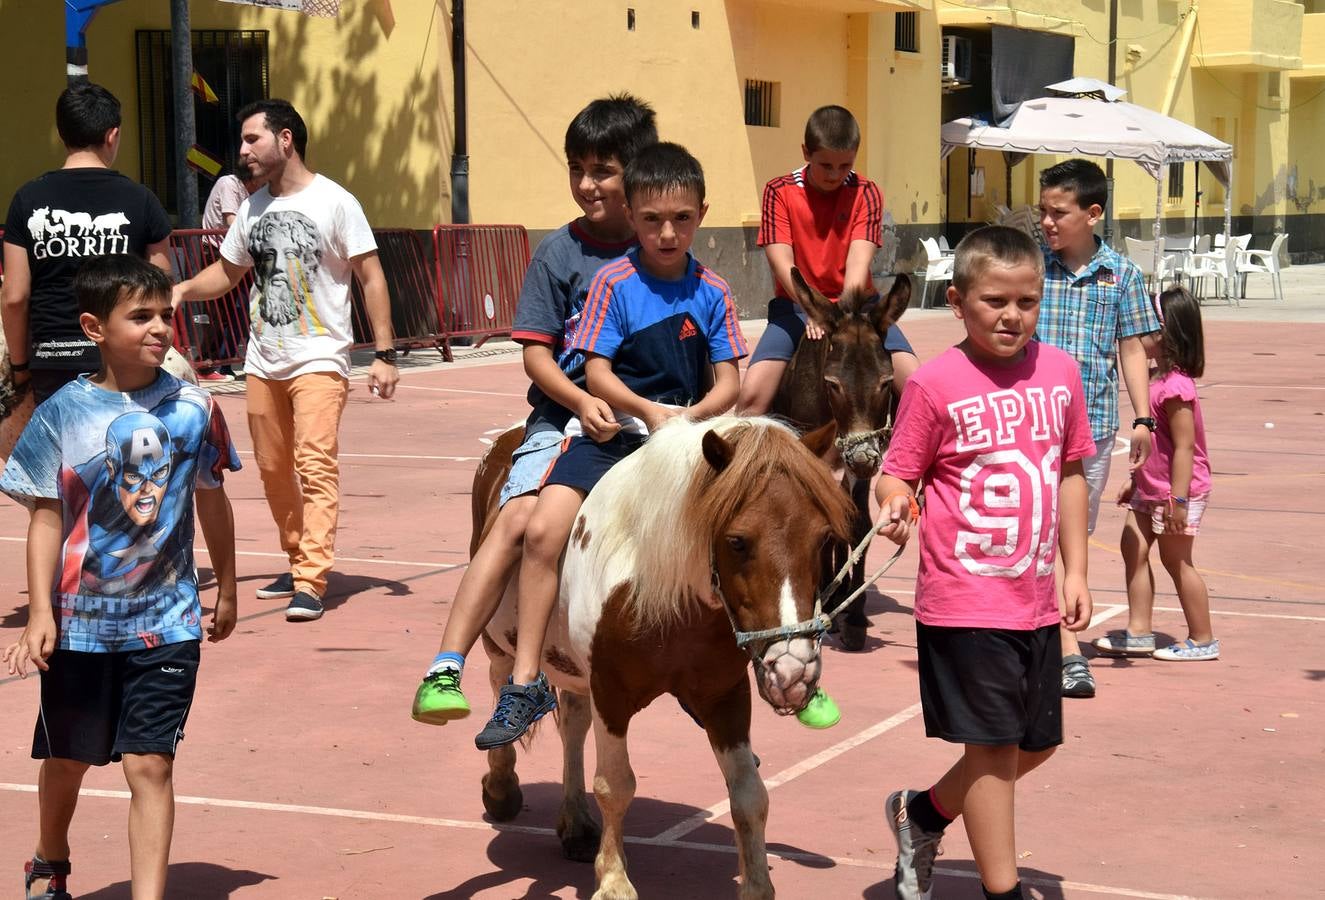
x: 124, y: 467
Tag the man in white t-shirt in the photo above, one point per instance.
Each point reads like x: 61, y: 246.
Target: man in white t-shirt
x: 305, y: 237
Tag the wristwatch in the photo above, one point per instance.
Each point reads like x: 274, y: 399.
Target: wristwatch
x: 389, y: 356
x: 1146, y: 421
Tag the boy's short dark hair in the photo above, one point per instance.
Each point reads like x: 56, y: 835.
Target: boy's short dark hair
x: 103, y: 281
x: 616, y: 126
x: 832, y: 128
x: 1181, y: 337
x: 280, y: 115
x: 660, y: 168
x: 84, y: 113
x: 993, y: 244
x: 1079, y: 177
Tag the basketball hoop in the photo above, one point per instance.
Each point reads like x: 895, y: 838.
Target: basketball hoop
x: 326, y: 9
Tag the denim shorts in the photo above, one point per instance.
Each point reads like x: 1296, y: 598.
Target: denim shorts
x: 786, y: 325
x: 1096, y: 469
x: 530, y: 464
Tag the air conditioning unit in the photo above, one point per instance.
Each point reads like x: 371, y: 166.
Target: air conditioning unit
x: 956, y: 59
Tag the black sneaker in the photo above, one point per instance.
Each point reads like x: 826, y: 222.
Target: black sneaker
x: 1077, y: 680
x: 279, y: 589
x: 518, y: 707
x: 304, y: 607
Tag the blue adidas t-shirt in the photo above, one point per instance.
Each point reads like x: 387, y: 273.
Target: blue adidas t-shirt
x: 124, y: 467
x: 660, y: 335
x: 551, y: 300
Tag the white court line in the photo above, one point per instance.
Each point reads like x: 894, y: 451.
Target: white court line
x: 394, y: 456
x: 1105, y: 614
x: 1264, y: 387
x: 824, y: 756
x: 806, y: 765
x: 1247, y: 615
x: 419, y: 387
x: 434, y: 564
x: 548, y: 832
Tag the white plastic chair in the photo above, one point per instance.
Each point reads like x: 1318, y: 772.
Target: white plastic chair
x: 938, y: 268
x: 1262, y: 262
x: 1143, y: 254
x: 1220, y: 264
x: 944, y: 248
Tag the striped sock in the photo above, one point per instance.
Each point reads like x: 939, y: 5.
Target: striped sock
x: 455, y: 661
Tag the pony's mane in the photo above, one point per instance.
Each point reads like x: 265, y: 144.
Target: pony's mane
x: 671, y: 505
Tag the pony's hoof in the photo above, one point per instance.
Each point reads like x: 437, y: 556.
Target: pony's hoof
x: 851, y: 636
x: 616, y: 889
x: 581, y: 844
x: 505, y: 806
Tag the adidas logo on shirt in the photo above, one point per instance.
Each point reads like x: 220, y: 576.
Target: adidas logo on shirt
x: 688, y: 330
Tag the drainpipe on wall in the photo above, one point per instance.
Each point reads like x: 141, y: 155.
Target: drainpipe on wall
x: 77, y: 16
x: 460, y: 151
x: 1113, y: 77
x: 181, y: 76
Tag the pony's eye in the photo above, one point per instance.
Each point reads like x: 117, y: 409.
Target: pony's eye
x: 737, y: 543
x: 833, y: 385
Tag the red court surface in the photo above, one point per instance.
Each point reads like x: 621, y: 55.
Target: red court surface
x: 302, y: 775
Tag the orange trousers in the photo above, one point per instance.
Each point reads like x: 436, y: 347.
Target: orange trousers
x: 295, y: 427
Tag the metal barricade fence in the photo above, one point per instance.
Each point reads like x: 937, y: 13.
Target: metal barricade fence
x: 209, y: 332
x: 215, y: 332
x: 409, y: 282
x: 479, y: 272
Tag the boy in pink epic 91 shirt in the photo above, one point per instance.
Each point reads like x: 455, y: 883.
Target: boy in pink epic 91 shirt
x: 996, y: 429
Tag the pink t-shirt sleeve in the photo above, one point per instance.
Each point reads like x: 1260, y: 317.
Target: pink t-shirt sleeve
x: 916, y: 435
x: 1077, y: 442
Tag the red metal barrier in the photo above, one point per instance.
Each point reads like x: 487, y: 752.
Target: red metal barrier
x: 215, y: 332
x: 479, y: 272
x: 209, y: 332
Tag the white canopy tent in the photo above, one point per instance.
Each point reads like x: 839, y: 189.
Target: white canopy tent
x: 1085, y: 117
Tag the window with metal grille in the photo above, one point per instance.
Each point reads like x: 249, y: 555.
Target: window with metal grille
x: 906, y: 33
x: 1175, y: 181
x: 234, y: 65
x: 761, y: 102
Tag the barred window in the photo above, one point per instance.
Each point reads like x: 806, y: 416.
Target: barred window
x: 234, y: 65
x: 906, y: 33
x: 1175, y: 181
x: 761, y: 102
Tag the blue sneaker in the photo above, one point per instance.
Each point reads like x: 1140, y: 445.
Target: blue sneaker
x: 518, y: 707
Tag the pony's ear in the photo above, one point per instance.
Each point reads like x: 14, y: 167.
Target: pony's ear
x: 824, y: 312
x: 889, y: 309
x: 718, y: 450
x: 820, y: 441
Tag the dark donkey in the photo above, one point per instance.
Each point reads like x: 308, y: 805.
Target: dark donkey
x: 847, y: 377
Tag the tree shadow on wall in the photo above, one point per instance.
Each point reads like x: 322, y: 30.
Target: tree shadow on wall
x: 379, y: 137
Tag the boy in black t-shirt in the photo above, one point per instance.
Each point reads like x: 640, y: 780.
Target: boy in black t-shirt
x: 57, y: 220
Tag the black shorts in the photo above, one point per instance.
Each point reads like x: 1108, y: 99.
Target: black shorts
x: 992, y: 686
x: 585, y: 461
x: 95, y: 707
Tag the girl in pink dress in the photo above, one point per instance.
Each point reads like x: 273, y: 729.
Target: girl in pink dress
x: 1166, y: 497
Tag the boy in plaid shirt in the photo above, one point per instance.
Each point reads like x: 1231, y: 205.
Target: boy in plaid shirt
x: 1095, y: 307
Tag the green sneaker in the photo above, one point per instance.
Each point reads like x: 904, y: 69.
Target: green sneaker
x: 820, y: 712
x: 439, y: 699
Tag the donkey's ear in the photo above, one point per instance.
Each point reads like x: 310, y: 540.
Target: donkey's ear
x: 820, y: 441
x: 717, y: 450
x: 889, y: 309
x: 824, y: 312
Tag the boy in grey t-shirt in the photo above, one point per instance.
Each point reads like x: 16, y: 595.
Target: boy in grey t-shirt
x: 600, y: 141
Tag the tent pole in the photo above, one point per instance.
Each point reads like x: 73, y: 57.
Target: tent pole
x: 1228, y: 221
x: 1155, y: 230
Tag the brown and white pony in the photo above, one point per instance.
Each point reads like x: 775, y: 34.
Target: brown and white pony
x: 847, y: 378
x: 711, y: 528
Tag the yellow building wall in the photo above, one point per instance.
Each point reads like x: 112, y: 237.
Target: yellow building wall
x: 368, y: 88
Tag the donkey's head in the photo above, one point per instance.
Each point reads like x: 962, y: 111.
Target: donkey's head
x: 772, y: 505
x: 857, y: 372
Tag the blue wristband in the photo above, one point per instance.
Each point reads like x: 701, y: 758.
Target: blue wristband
x: 1182, y: 500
